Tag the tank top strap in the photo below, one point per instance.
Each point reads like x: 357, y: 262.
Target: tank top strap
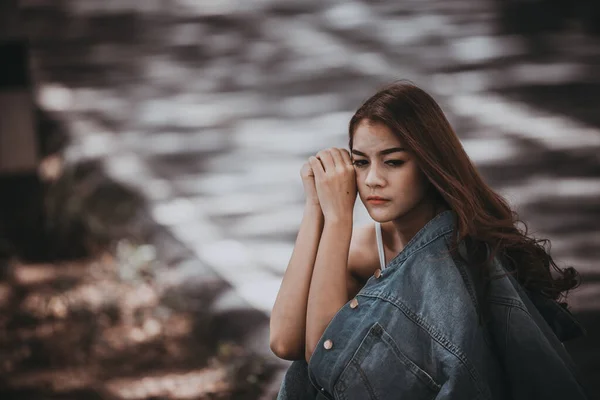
x: 380, y: 245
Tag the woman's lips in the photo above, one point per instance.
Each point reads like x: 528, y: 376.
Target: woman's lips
x: 377, y: 201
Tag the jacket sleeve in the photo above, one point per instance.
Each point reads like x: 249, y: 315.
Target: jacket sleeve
x: 536, y: 364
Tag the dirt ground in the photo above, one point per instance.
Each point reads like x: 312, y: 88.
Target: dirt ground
x: 91, y: 329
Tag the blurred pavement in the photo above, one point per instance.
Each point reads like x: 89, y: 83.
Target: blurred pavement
x: 210, y: 109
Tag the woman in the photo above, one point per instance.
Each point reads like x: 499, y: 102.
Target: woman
x: 443, y: 297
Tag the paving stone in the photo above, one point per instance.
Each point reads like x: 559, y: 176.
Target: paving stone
x: 297, y: 136
x: 491, y: 151
x: 242, y: 204
x: 349, y: 15
x: 283, y: 220
x: 274, y: 255
x: 181, y: 143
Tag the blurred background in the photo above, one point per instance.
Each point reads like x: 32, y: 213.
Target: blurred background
x: 149, y: 168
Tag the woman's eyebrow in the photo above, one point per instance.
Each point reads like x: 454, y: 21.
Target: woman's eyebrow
x: 382, y: 152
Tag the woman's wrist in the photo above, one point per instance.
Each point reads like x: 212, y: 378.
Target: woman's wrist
x: 312, y: 207
x: 339, y: 219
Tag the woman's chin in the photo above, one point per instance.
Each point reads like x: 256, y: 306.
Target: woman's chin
x: 379, y: 216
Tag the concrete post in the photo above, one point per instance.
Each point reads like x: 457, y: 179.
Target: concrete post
x: 21, y: 192
x: 18, y: 144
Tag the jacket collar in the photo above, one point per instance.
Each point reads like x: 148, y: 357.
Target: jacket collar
x: 562, y: 322
x: 439, y: 225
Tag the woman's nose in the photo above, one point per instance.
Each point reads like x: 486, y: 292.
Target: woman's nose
x: 373, y: 177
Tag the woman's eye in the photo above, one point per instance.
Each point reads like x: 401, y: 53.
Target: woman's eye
x: 394, y: 163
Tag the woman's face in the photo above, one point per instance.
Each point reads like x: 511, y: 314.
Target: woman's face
x: 385, y: 169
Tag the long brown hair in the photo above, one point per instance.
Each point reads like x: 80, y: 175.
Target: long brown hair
x: 484, y: 218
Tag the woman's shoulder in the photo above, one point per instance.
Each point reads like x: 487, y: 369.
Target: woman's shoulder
x: 363, y: 258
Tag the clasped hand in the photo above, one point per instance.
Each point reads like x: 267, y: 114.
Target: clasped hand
x: 335, y: 182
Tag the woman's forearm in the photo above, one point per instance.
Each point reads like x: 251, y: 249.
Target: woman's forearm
x: 288, y: 317
x: 328, y: 288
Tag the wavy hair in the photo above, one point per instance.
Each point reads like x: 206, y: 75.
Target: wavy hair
x: 485, y: 221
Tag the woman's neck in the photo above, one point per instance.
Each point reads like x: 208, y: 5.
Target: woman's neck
x: 403, y: 229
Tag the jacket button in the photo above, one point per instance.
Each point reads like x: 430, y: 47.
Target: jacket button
x: 377, y: 273
x: 328, y: 344
x: 354, y: 303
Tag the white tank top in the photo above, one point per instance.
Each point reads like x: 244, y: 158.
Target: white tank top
x: 380, y: 245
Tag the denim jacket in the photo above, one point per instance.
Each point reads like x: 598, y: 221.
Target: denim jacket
x: 413, y: 332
